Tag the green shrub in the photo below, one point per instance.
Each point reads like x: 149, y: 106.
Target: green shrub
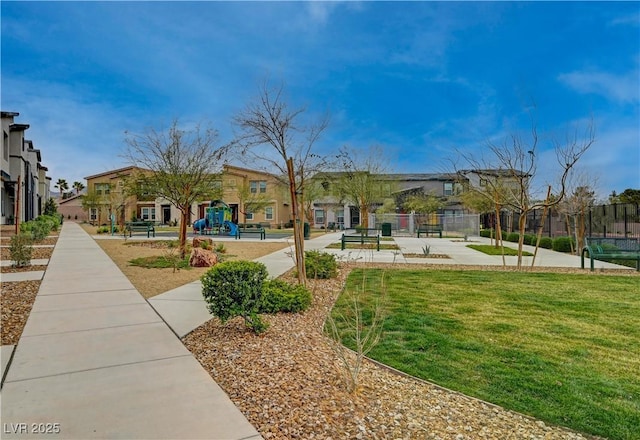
x: 20, y: 250
x: 280, y: 296
x: 50, y: 207
x: 563, y: 244
x: 53, y: 221
x: 530, y: 239
x: 546, y: 242
x: 512, y: 237
x: 320, y: 265
x: 234, y: 288
x: 487, y: 233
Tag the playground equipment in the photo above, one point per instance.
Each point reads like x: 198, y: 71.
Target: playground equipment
x: 217, y: 220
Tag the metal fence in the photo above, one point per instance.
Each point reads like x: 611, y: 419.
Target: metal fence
x: 617, y: 220
x: 459, y: 225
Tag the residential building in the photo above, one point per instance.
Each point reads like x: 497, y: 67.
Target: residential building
x: 106, y: 197
x: 253, y: 196
x: 329, y: 208
x: 71, y: 208
x: 25, y: 184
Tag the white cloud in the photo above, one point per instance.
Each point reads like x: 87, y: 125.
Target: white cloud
x: 622, y: 88
x: 631, y: 19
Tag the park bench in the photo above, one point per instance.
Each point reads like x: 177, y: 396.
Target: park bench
x: 430, y: 229
x: 611, y: 248
x: 147, y: 227
x: 249, y: 228
x: 360, y: 238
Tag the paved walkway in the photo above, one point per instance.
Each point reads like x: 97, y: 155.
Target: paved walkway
x: 96, y: 361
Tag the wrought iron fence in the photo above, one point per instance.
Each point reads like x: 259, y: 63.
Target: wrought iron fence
x: 616, y: 220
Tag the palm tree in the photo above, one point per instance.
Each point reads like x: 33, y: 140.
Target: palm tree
x: 63, y: 186
x: 78, y: 186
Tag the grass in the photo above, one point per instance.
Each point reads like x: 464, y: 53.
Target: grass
x: 492, y: 250
x: 160, y: 262
x: 564, y: 348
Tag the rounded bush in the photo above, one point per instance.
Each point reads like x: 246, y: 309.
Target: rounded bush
x: 486, y: 233
x: 530, y: 239
x: 563, y: 244
x: 234, y: 288
x: 320, y: 265
x: 280, y: 296
x: 513, y: 237
x: 546, y: 242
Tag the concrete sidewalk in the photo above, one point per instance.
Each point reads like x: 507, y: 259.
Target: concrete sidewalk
x: 96, y: 361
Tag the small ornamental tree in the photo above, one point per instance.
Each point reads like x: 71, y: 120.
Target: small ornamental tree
x: 235, y: 288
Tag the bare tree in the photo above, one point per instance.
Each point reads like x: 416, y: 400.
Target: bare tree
x: 580, y: 198
x: 517, y: 166
x: 183, y: 168
x: 269, y: 122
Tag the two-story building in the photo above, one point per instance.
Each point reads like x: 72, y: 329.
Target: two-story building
x: 329, y: 208
x: 25, y: 184
x: 253, y: 196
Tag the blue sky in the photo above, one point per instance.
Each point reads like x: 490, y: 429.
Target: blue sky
x: 422, y: 80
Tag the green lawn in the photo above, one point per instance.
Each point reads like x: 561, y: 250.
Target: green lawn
x: 564, y: 348
x: 492, y: 250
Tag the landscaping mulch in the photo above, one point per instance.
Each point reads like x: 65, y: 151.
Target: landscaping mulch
x: 16, y: 301
x: 11, y: 269
x: 287, y: 383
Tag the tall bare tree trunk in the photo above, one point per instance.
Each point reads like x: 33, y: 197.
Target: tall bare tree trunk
x: 544, y: 218
x: 499, y: 234
x: 297, y: 225
x: 183, y: 232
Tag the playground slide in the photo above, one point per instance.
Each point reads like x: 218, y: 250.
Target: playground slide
x: 200, y: 224
x: 233, y: 228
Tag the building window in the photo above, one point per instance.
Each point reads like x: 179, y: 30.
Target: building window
x: 103, y: 189
x: 248, y: 215
x: 448, y: 188
x: 319, y: 216
x: 93, y: 214
x: 340, y: 216
x: 268, y: 213
x: 258, y: 185
x: 148, y: 214
x: 483, y: 182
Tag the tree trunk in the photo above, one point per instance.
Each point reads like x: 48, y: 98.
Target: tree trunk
x: 499, y: 234
x: 544, y: 218
x: 522, y: 221
x: 364, y: 216
x: 183, y: 231
x: 298, y: 236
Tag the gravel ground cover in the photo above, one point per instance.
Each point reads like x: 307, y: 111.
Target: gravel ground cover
x: 287, y: 383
